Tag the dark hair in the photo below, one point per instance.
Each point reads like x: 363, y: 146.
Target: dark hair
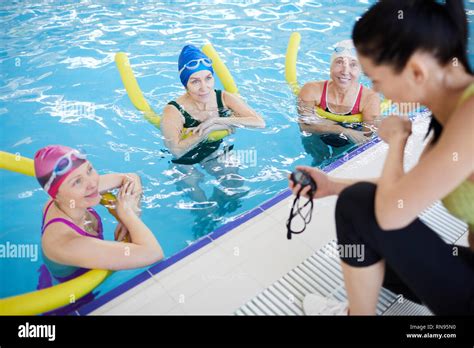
x: 392, y: 30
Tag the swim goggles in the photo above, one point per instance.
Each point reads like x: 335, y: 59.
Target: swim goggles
x: 63, y: 165
x: 193, y: 64
x: 340, y: 49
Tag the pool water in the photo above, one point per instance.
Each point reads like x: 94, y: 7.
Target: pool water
x: 59, y: 85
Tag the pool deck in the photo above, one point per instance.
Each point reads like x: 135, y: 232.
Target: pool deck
x: 225, y: 273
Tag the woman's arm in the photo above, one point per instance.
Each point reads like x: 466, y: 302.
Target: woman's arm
x: 329, y: 126
x: 339, y: 184
x: 400, y: 196
x: 68, y: 248
x: 244, y: 116
x: 63, y: 245
x: 322, y: 125
x: 327, y: 186
x: 108, y: 182
x: 311, y: 122
x: 172, y: 129
x: 308, y: 98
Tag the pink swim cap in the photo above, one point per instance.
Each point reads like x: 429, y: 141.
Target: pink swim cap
x: 48, y: 159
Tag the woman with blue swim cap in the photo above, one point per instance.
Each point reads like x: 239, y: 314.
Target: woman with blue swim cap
x: 201, y: 110
x: 198, y: 112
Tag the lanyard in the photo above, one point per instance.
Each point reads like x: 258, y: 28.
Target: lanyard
x: 297, y: 210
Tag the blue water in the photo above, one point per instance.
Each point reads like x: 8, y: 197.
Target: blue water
x: 59, y: 85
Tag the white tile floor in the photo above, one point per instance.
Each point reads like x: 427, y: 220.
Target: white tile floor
x: 223, y: 275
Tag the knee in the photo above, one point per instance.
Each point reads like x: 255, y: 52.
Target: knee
x: 354, y: 207
x: 354, y: 199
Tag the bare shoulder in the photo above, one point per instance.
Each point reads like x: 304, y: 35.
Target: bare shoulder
x: 463, y: 113
x: 170, y: 110
x: 54, y: 237
x: 171, y: 114
x: 228, y: 99
x: 455, y: 128
x: 311, y: 90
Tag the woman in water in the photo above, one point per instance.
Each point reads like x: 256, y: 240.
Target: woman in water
x: 198, y: 112
x: 201, y: 110
x: 421, y: 58
x: 72, y: 234
x: 343, y: 95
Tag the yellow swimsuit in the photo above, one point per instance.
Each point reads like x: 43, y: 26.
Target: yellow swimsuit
x: 460, y: 202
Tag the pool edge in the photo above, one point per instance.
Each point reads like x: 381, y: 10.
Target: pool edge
x: 209, y: 238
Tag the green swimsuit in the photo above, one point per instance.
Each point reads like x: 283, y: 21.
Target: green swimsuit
x: 205, y: 147
x: 460, y: 202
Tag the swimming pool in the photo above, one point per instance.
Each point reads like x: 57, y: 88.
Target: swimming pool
x: 59, y: 84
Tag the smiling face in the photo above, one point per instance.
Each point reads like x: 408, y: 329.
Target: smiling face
x: 345, y: 71
x: 80, y: 187
x: 200, y: 86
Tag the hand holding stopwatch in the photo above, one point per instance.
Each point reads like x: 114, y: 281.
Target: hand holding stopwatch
x: 304, y: 180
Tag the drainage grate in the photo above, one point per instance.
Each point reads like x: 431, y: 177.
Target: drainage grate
x: 321, y: 273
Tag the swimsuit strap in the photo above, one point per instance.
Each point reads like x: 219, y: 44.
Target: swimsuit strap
x: 71, y: 225
x: 189, y: 121
x: 220, y: 104
x: 46, y: 212
x: 322, y: 103
x: 223, y: 111
x: 356, y: 108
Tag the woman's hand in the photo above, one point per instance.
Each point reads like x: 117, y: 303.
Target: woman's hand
x: 121, y: 233
x: 394, y: 128
x: 207, y: 127
x: 322, y: 180
x: 357, y: 137
x: 132, y: 177
x: 204, y: 126
x: 137, y: 191
x: 126, y: 200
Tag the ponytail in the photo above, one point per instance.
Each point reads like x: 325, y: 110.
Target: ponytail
x: 457, y: 13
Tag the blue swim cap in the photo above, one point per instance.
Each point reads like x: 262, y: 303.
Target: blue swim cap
x: 189, y: 53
